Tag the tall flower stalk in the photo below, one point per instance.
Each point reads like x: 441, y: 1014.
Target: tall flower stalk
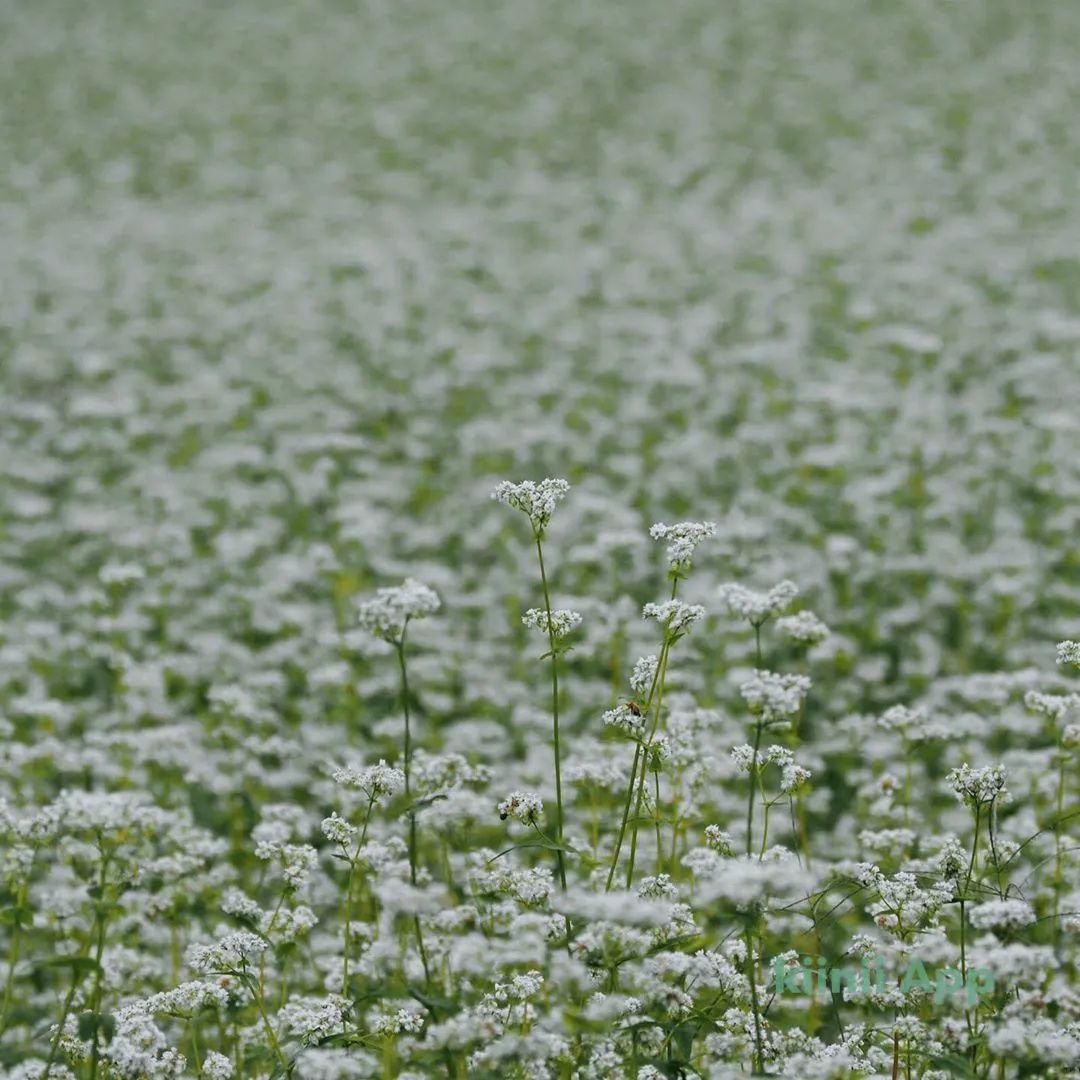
x: 387, y: 616
x: 538, y: 502
x: 676, y: 619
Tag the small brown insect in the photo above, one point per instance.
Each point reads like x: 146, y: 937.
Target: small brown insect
x: 634, y: 707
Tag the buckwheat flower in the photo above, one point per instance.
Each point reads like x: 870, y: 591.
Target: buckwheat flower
x: 388, y: 613
x: 1068, y: 652
x: 1052, y: 706
x: 394, y: 1023
x: 121, y: 574
x: 675, y: 616
x: 227, y: 955
x: 659, y: 886
x: 536, y: 501
x: 902, y: 719
x: 625, y: 718
x: 757, y: 607
x: 803, y: 628
x: 217, y: 1066
x: 1070, y: 737
x: 793, y: 777
x: 641, y: 678
x: 524, y: 806
x: 287, y: 924
x: 562, y: 622
x: 743, y: 757
x: 375, y: 781
x: 1002, y: 915
x: 978, y: 786
x: 240, y: 906
x: 719, y: 840
x: 337, y: 830
x: 775, y: 697
x: 683, y: 538
x: 312, y: 1019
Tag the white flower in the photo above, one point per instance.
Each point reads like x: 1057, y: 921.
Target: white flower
x: 375, y: 781
x: 396, y: 1022
x: 1068, y: 652
x: 675, y: 616
x: 643, y: 674
x: 561, y: 623
x: 757, y: 607
x: 121, y: 573
x: 337, y: 830
x: 388, y: 613
x: 537, y: 501
x: 525, y: 806
x: 804, y: 628
x: 1052, y: 706
x: 720, y: 840
x: 682, y: 539
x: 775, y: 697
x: 217, y: 1066
x: 227, y: 955
x: 626, y: 718
x: 793, y: 777
x: 978, y: 786
x: 1001, y: 915
x: 901, y: 718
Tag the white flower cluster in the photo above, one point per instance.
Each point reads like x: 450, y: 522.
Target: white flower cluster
x: 390, y: 610
x: 1068, y: 652
x: 536, y: 501
x: 1052, y: 706
x: 1001, y: 915
x: 675, y: 616
x: 803, y: 628
x: 524, y: 806
x: 227, y: 955
x: 775, y: 697
x: 641, y: 678
x: 626, y: 718
x: 757, y: 607
x: 375, y: 781
x: 683, y: 539
x: 978, y: 786
x: 792, y: 775
x: 561, y: 623
x: 394, y: 1023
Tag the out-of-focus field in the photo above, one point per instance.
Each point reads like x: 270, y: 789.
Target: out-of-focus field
x: 278, y: 274
x: 286, y: 287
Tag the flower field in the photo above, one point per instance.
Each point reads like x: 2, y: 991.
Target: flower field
x: 539, y: 540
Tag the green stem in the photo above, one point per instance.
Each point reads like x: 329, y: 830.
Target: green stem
x: 637, y: 756
x: 13, y: 959
x: 411, y: 812
x: 554, y: 715
x: 754, y: 761
x: 758, y: 1066
x: 100, y: 922
x: 661, y: 675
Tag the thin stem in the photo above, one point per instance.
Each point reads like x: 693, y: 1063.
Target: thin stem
x: 758, y: 1066
x: 661, y: 673
x: 100, y: 921
x: 753, y: 789
x: 754, y: 760
x: 637, y: 755
x: 13, y: 960
x: 407, y: 770
x: 554, y: 715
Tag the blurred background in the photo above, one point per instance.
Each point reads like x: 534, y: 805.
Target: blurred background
x: 287, y: 285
